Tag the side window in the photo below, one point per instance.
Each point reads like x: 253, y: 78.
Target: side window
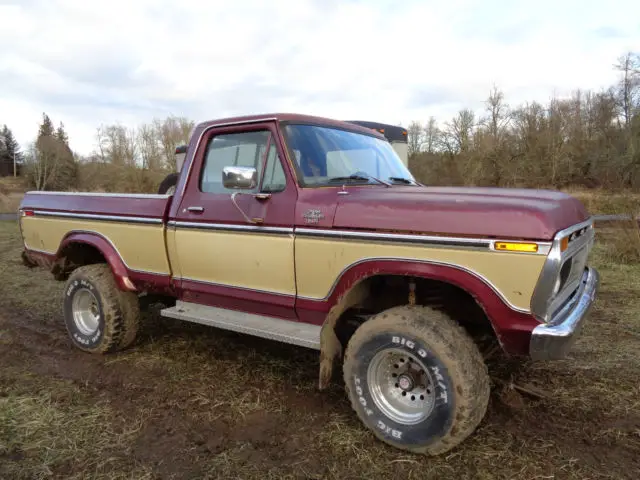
x: 244, y: 149
x: 274, y: 178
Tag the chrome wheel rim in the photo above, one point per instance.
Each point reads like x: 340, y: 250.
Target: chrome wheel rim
x: 401, y: 386
x: 86, y: 311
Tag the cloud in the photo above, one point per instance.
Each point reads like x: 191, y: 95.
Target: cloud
x: 608, y: 32
x: 88, y: 63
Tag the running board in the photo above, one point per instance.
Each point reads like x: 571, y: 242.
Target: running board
x: 296, y: 333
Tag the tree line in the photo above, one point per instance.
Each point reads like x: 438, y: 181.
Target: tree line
x: 124, y: 159
x: 591, y: 139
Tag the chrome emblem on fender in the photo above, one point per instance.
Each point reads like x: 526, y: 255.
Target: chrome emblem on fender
x: 313, y: 216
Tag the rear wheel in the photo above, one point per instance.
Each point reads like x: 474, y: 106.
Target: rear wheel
x: 416, y: 379
x: 99, y: 317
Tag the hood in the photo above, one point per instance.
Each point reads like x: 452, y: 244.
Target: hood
x: 460, y: 211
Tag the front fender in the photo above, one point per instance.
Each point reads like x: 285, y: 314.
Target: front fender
x: 501, y: 315
x: 512, y: 327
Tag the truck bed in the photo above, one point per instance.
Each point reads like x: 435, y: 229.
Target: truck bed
x: 130, y: 227
x: 101, y: 204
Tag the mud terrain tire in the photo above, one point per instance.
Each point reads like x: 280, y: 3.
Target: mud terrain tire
x: 106, y: 319
x: 434, y: 362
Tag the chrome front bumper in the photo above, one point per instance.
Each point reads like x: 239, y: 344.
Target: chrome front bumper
x: 552, y: 341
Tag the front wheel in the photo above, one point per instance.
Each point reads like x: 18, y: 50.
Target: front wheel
x: 416, y: 379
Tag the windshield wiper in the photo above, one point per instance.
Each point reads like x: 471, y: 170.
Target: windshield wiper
x: 357, y: 177
x: 402, y: 180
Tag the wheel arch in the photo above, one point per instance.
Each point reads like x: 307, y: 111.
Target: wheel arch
x: 353, y: 287
x: 80, y: 248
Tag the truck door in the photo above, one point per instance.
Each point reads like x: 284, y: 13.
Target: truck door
x: 233, y: 248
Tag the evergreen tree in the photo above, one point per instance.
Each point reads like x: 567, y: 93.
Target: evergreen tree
x: 9, y: 150
x: 46, y: 127
x: 61, y: 134
x: 4, y: 158
x: 10, y: 143
x: 68, y: 169
x: 53, y: 164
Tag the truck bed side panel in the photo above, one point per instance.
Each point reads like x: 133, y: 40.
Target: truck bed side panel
x: 118, y: 204
x: 132, y: 224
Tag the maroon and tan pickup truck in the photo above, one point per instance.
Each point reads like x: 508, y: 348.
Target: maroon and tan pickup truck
x: 311, y: 231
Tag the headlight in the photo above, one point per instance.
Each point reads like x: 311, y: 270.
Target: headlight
x: 561, y: 280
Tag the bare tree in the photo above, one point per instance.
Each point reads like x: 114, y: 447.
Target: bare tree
x: 117, y: 144
x: 43, y: 161
x: 414, y: 138
x: 172, y: 132
x: 149, y: 147
x: 498, y: 112
x: 459, y: 132
x: 431, y: 135
x: 629, y: 85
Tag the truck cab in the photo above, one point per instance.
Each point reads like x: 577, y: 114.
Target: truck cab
x: 396, y: 135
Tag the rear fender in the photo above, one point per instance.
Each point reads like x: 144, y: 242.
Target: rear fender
x: 106, y: 248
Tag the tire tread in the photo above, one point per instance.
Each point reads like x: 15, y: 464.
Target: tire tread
x: 453, y: 345
x: 118, y: 309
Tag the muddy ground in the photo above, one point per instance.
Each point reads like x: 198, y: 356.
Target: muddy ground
x: 194, y: 402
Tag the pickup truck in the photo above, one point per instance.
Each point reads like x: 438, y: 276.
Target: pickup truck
x: 311, y: 231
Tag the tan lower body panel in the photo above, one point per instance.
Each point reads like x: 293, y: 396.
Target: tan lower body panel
x: 266, y: 262
x: 320, y: 262
x: 258, y: 261
x: 141, y: 246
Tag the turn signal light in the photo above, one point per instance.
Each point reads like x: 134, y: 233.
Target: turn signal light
x: 516, y: 247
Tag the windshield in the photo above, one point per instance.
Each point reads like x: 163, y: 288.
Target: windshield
x: 330, y: 156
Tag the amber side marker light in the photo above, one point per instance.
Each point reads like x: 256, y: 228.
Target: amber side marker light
x: 564, y: 244
x: 516, y: 247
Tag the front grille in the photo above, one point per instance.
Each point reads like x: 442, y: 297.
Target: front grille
x: 577, y: 234
x: 578, y: 264
x: 572, y: 268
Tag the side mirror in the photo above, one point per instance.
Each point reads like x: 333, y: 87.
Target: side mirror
x: 242, y: 178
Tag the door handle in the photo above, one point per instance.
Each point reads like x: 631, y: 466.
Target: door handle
x: 196, y: 209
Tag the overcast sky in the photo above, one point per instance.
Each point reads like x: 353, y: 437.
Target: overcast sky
x: 86, y: 62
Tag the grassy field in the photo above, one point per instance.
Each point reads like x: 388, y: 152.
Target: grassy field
x: 10, y: 203
x: 602, y: 202
x: 194, y: 402
x: 11, y: 193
